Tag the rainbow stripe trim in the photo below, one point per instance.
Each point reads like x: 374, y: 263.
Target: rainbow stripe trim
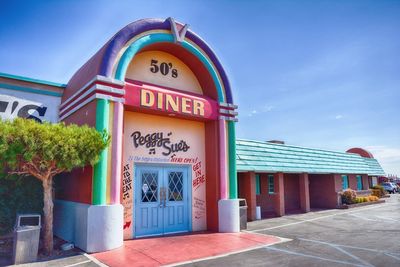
x: 114, y: 65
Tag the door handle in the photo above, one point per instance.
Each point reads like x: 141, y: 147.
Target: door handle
x: 163, y: 197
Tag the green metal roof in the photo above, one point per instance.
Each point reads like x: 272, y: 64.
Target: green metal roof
x: 374, y: 167
x: 271, y: 157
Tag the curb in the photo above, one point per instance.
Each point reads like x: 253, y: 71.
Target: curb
x: 345, y: 206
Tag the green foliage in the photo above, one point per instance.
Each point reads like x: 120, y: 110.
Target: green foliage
x: 49, y: 146
x: 349, y: 196
x: 42, y: 150
x: 18, y: 195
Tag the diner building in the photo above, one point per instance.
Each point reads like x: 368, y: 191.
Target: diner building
x: 173, y: 164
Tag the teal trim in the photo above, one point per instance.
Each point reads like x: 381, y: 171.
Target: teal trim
x: 28, y: 90
x: 27, y: 79
x: 271, y: 185
x: 345, y: 182
x: 209, y: 67
x: 233, y: 188
x: 99, y: 191
x: 158, y: 38
x: 258, y: 187
x: 359, y: 182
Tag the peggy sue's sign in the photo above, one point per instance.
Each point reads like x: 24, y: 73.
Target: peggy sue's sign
x: 160, y: 100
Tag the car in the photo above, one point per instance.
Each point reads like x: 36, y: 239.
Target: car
x: 396, y: 186
x: 389, y: 187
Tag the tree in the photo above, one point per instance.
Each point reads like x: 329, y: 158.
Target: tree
x: 44, y: 150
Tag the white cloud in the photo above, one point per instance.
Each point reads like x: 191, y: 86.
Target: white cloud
x: 253, y: 112
x: 268, y: 108
x: 264, y: 109
x: 338, y: 117
x: 388, y: 157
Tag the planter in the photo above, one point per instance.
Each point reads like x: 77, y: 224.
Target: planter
x: 349, y: 206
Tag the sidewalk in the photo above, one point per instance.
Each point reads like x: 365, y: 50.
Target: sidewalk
x: 180, y: 249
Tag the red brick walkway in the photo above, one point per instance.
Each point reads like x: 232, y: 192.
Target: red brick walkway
x: 175, y: 249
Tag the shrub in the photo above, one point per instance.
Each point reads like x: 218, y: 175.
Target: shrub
x: 365, y: 199
x: 18, y: 195
x: 44, y: 150
x: 349, y: 196
x: 373, y: 198
x: 378, y: 191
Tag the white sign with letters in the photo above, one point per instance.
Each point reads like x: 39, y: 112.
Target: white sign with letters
x: 28, y: 105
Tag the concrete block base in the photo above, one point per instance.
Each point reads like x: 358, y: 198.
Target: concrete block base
x: 228, y: 215
x: 92, y: 228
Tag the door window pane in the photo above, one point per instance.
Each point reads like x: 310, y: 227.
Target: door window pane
x: 270, y: 184
x: 359, y: 182
x: 149, y: 186
x: 258, y: 187
x: 175, y: 186
x: 345, y: 182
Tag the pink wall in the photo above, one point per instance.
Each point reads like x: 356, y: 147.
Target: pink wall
x: 292, y: 195
x: 352, y: 181
x: 265, y: 200
x: 365, y: 182
x: 247, y: 190
x: 322, y: 191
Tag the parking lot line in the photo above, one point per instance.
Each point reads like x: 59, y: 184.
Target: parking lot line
x: 347, y: 246
x: 321, y: 217
x: 363, y: 218
x: 338, y: 247
x: 94, y: 260
x: 314, y: 257
x: 386, y: 218
x: 393, y: 256
x: 78, y: 263
x: 282, y: 240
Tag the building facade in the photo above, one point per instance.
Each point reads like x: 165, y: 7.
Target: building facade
x: 282, y: 179
x: 164, y: 97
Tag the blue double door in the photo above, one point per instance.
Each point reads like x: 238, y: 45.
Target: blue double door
x: 162, y: 200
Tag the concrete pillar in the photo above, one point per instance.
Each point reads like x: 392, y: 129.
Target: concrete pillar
x: 279, y: 203
x: 249, y: 193
x: 304, y: 192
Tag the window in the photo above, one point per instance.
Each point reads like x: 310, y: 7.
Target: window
x: 345, y: 182
x: 359, y: 182
x: 258, y: 188
x: 270, y: 184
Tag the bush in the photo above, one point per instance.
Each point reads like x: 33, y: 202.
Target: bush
x: 378, y: 191
x: 349, y: 196
x: 18, y: 195
x: 373, y: 198
x: 365, y: 199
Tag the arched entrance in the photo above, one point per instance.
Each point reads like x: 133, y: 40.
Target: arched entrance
x: 162, y: 94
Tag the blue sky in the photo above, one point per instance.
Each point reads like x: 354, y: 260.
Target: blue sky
x: 322, y: 74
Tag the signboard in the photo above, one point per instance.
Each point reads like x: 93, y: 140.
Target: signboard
x: 163, y: 69
x: 160, y: 100
x: 15, y: 104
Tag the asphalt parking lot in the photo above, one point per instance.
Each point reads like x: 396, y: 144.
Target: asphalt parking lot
x: 363, y: 236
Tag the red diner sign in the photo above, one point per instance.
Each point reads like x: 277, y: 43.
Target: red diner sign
x: 155, y: 99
